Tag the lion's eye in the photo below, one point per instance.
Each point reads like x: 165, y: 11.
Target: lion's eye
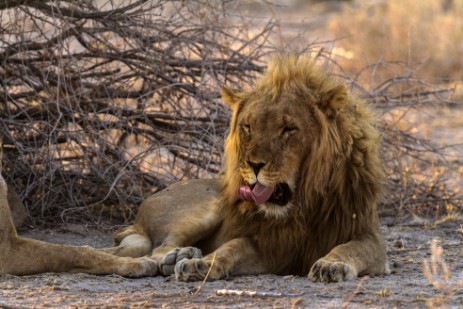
x: 246, y: 128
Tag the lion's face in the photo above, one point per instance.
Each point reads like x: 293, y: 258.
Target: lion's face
x: 294, y: 137
x: 274, y: 139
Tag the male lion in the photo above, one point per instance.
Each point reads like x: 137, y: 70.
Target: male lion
x: 298, y: 193
x: 22, y: 256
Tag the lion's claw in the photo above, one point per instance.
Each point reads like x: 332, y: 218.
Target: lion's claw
x: 168, y: 262
x: 327, y: 271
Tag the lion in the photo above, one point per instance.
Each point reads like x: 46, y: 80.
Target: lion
x: 17, y: 208
x: 297, y: 193
x: 22, y: 256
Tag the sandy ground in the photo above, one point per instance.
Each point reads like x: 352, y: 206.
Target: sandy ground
x: 408, y: 238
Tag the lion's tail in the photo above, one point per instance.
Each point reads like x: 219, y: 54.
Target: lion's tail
x: 130, y: 241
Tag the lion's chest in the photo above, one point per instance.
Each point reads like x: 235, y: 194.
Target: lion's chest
x: 285, y: 249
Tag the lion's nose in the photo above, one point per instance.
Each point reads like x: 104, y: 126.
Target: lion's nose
x: 256, y: 167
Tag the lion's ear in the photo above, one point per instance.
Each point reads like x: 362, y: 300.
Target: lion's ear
x: 230, y: 97
x: 334, y: 100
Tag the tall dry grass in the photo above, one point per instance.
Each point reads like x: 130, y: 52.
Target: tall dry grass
x: 425, y: 36
x: 438, y: 273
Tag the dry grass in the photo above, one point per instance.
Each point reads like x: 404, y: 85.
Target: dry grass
x: 425, y: 36
x: 437, y: 271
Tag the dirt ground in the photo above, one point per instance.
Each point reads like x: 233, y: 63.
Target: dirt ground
x: 409, y: 240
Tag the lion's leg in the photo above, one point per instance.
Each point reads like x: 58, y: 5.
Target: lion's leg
x: 22, y: 256
x: 236, y: 257
x: 130, y: 242
x: 347, y: 261
x: 200, y: 224
x: 171, y: 221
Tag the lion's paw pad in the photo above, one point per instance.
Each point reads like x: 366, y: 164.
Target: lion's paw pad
x: 191, y: 270
x: 169, y: 261
x: 330, y: 271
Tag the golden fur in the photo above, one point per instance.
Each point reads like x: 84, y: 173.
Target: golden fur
x: 18, y: 211
x: 298, y: 130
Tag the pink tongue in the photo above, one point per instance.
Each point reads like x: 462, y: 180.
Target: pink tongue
x: 260, y: 194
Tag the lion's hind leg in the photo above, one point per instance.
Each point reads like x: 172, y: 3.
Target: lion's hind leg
x: 130, y: 241
x: 22, y: 256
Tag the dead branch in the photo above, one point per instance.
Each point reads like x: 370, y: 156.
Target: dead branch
x: 103, y: 104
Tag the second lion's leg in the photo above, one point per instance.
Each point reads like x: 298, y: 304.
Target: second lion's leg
x: 130, y: 241
x: 29, y: 256
x: 22, y: 256
x: 236, y: 257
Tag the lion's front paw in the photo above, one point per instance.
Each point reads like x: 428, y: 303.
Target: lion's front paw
x: 191, y: 270
x: 169, y: 261
x: 139, y: 267
x: 331, y: 271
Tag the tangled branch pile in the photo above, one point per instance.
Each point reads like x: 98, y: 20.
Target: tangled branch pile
x: 104, y: 104
x: 417, y: 168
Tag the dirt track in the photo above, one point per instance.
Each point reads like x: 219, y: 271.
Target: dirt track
x: 407, y: 287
